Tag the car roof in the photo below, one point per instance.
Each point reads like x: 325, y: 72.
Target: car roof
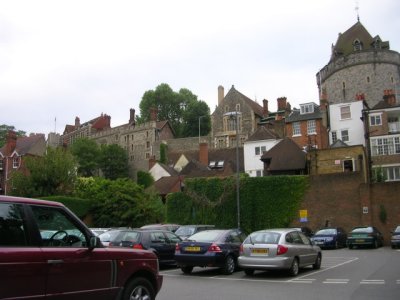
x: 278, y: 230
x: 30, y: 201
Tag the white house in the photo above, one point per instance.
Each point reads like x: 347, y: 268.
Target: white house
x: 346, y: 123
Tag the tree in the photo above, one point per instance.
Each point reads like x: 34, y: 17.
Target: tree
x: 120, y: 202
x: 3, y: 133
x: 87, y: 153
x: 113, y: 161
x: 52, y: 174
x: 144, y: 179
x: 181, y: 109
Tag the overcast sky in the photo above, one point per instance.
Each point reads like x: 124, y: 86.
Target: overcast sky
x: 62, y: 59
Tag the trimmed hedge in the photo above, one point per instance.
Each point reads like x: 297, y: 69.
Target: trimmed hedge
x: 265, y: 202
x: 80, y: 207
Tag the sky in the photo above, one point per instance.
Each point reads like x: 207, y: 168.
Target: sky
x: 79, y: 58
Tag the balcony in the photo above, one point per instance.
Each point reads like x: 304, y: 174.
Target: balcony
x: 394, y: 127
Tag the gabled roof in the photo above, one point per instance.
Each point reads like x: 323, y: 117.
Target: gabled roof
x: 161, y: 124
x: 26, y: 145
x: 286, y: 155
x: 168, y: 169
x: 262, y: 133
x: 338, y: 144
x: 296, y: 116
x: 234, y: 94
x: 166, y: 185
x: 384, y: 105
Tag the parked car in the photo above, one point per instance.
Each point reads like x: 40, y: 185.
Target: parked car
x: 169, y: 227
x: 365, y: 236
x: 59, y: 263
x: 107, y: 236
x: 98, y: 231
x: 185, y: 231
x: 332, y: 237
x: 395, y: 238
x: 275, y: 249
x: 210, y: 248
x: 161, y: 242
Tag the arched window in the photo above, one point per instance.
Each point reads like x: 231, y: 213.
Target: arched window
x: 357, y: 45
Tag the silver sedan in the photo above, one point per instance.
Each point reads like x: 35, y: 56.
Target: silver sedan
x: 274, y: 249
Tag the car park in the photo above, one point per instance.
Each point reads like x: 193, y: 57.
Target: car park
x: 331, y: 237
x: 169, y: 227
x: 364, y: 236
x: 59, y: 263
x: 185, y: 231
x: 395, y: 238
x: 210, y: 248
x: 278, y: 249
x: 161, y: 242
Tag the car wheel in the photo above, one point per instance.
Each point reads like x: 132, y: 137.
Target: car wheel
x: 139, y: 288
x: 294, y: 269
x: 187, y: 269
x: 317, y: 264
x: 249, y: 272
x: 375, y: 244
x: 229, y: 265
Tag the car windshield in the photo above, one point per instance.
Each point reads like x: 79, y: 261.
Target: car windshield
x: 109, y: 235
x: 185, y: 230
x: 129, y: 236
x: 327, y: 231
x: 397, y: 230
x: 263, y: 238
x: 206, y: 236
x: 362, y: 229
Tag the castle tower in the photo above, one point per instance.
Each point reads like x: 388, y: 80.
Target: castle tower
x: 359, y: 64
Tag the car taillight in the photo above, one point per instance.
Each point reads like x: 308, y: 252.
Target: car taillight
x: 214, y: 248
x: 281, y: 250
x: 137, y: 246
x: 177, y: 248
x: 241, y: 249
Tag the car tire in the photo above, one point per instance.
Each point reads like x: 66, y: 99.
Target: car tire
x: 375, y: 245
x: 187, y: 269
x: 317, y: 264
x: 294, y: 269
x: 249, y: 272
x: 139, y: 288
x: 229, y: 265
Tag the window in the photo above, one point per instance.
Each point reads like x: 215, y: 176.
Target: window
x: 385, y: 146
x: 259, y: 173
x: 238, y: 107
x: 1, y: 164
x: 357, y: 45
x: 311, y: 127
x: 260, y: 150
x: 375, y: 120
x: 296, y: 128
x: 221, y: 143
x: 392, y: 173
x: 334, y: 136
x: 147, y: 155
x: 306, y: 108
x: 147, y: 145
x: 345, y: 112
x: 348, y: 165
x: 12, y: 227
x: 345, y: 135
x: 15, y: 162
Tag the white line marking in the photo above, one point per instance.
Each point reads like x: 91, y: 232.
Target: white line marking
x: 372, y: 281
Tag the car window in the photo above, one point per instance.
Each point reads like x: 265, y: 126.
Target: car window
x: 265, y: 238
x: 397, y: 229
x: 57, y: 229
x: 12, y: 228
x: 207, y: 235
x: 295, y: 236
x: 305, y: 239
x: 127, y: 236
x: 326, y: 231
x: 172, y: 237
x: 157, y: 237
x: 185, y: 230
x: 109, y: 235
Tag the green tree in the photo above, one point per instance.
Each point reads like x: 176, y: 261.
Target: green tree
x: 120, y: 202
x: 3, y: 133
x: 52, y: 174
x: 86, y: 152
x: 113, y: 161
x: 181, y: 109
x: 144, y: 179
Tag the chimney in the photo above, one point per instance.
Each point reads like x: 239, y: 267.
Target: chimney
x: 220, y: 94
x: 389, y: 97
x: 281, y: 103
x: 152, y: 161
x: 11, y: 142
x: 203, y: 153
x: 265, y: 108
x: 360, y: 97
x: 153, y: 114
x: 132, y: 116
x: 77, y: 122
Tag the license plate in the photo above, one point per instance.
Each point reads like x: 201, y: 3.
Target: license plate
x: 192, y: 249
x: 359, y: 241
x: 259, y: 251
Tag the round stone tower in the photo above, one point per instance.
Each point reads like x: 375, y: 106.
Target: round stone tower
x: 360, y: 65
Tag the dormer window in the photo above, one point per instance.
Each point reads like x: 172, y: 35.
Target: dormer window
x: 306, y: 108
x: 377, y: 44
x: 357, y: 45
x: 15, y: 162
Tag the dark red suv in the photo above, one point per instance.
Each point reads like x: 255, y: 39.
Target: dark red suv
x: 47, y: 252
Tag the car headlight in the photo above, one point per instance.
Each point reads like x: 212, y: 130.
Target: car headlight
x: 396, y: 237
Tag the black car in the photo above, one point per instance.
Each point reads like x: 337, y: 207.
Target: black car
x: 365, y: 236
x: 395, y: 238
x: 161, y: 242
x: 210, y: 248
x: 331, y: 237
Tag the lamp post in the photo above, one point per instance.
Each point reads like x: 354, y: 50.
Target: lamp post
x: 199, y: 126
x: 233, y: 115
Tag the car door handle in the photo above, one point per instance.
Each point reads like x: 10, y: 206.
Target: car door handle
x: 55, y: 261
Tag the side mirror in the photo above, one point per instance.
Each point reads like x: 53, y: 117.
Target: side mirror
x: 94, y: 242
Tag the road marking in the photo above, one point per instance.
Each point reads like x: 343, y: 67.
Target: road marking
x: 372, y: 281
x: 302, y: 280
x: 336, y: 281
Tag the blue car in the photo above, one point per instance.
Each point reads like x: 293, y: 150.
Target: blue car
x: 332, y: 237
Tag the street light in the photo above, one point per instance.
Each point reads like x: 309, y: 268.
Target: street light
x: 199, y: 126
x: 231, y: 116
